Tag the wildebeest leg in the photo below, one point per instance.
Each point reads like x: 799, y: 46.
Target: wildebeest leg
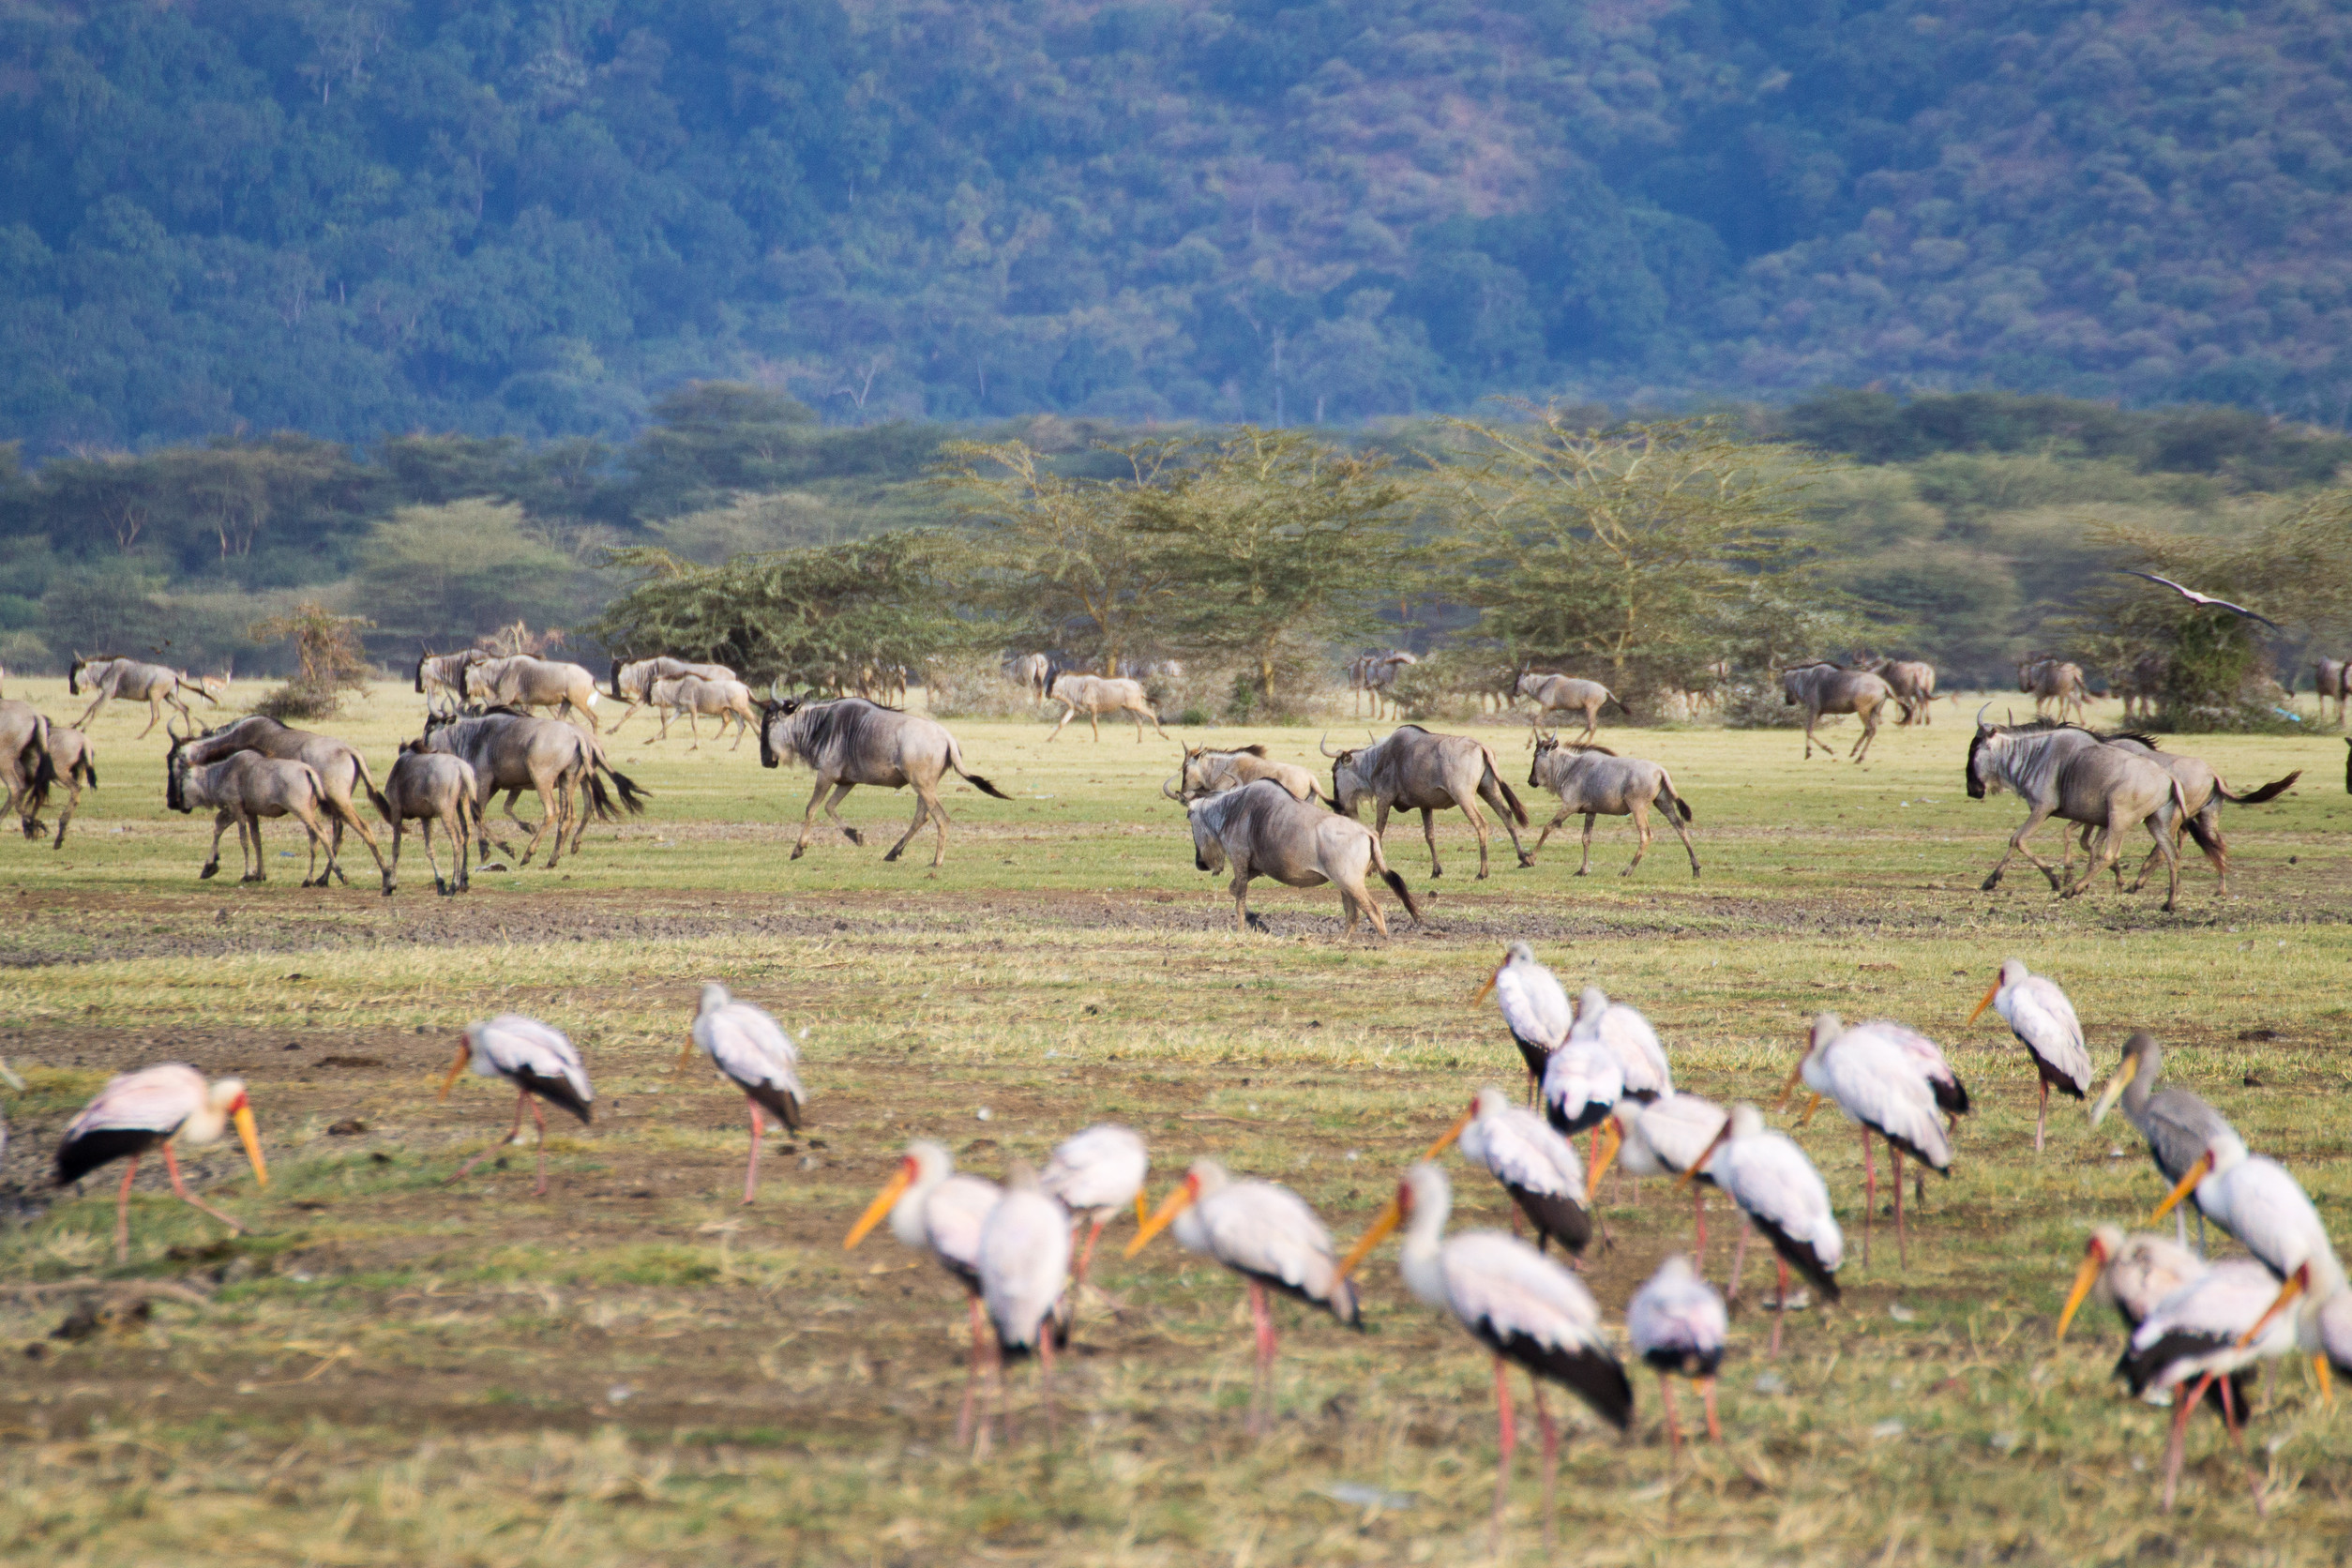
x: 693, y: 729
x: 515, y: 794
x: 220, y: 825
x: 392, y: 872
x: 925, y: 804
x: 73, y: 798
x: 91, y: 711
x: 840, y: 792
x: 155, y: 717
x: 743, y: 727
x: 247, y: 823
x: 1429, y: 832
x: 2160, y: 829
x: 444, y: 887
x: 1586, y: 864
x: 2034, y: 819
x: 315, y: 877
x: 1592, y: 720
x: 1094, y: 720
x: 1069, y: 712
x: 551, y: 815
x: 1812, y: 715
x: 1478, y: 825
x: 1641, y: 827
x: 1565, y: 812
x: 1870, y: 731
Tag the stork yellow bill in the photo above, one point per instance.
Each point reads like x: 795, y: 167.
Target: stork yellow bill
x: 2085, y: 1278
x: 884, y: 1200
x: 2298, y: 1284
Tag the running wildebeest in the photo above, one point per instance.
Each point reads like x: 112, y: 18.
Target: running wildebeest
x: 2059, y: 770
x: 431, y: 787
x: 2332, y: 678
x: 1207, y: 772
x: 524, y: 681
x: 339, y: 766
x: 442, y: 676
x: 697, y: 697
x: 2052, y: 680
x: 25, y: 764
x: 1822, y: 687
x: 1260, y: 830
x: 72, y: 761
x: 1413, y: 770
x: 1592, y: 780
x: 514, y: 751
x: 2142, y: 685
x: 632, y: 680
x: 245, y: 788
x: 1566, y: 694
x: 1099, y: 695
x: 152, y: 683
x: 849, y: 740
x: 2202, y: 792
x: 1913, y: 684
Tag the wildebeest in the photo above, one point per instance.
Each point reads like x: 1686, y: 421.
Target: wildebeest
x: 1594, y: 782
x: 1374, y: 674
x: 1031, y: 672
x: 633, y: 680
x: 1207, y: 772
x: 442, y: 676
x: 431, y: 787
x: 696, y: 697
x: 152, y: 683
x: 24, y: 765
x: 2059, y: 770
x: 851, y: 740
x: 340, y: 765
x: 72, y: 761
x: 1566, y: 694
x: 2142, y: 685
x: 1913, y: 683
x: 521, y: 680
x: 2202, y: 792
x: 245, y: 788
x: 1822, y: 687
x: 1099, y: 695
x: 2332, y: 678
x: 514, y: 751
x: 1413, y: 770
x: 1260, y: 830
x: 2053, y: 680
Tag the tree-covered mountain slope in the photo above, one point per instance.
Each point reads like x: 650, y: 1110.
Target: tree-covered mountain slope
x: 348, y: 216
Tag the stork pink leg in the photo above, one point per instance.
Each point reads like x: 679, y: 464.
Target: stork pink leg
x: 971, y: 1378
x: 1551, y: 1429
x: 1780, y: 1308
x: 1087, y: 1256
x: 1714, y: 1428
x: 122, y: 1213
x: 1902, y: 1254
x: 1507, y: 1437
x: 751, y: 1171
x: 2041, y: 1116
x: 1261, y: 1384
x: 512, y: 1133
x: 1870, y: 1194
x: 172, y: 1164
x: 538, y: 1118
x: 2181, y: 1412
x: 1044, y: 1374
x: 1674, y: 1429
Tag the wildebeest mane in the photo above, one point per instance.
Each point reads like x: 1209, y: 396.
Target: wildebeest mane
x: 850, y: 723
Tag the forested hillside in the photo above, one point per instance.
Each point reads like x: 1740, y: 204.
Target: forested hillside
x: 350, y: 217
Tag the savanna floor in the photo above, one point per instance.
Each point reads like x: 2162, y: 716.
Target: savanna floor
x: 637, y: 1370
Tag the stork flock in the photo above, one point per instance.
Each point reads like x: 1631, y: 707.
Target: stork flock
x: 2195, y: 1330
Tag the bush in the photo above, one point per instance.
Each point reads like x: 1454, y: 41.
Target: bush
x: 1749, y: 703
x: 332, y: 661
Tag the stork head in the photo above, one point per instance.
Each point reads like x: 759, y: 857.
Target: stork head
x: 2098, y: 1253
x: 2137, y: 1050
x: 1205, y: 1177
x: 227, y: 1102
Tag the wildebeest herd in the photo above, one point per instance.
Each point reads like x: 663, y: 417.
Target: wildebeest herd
x: 1250, y: 814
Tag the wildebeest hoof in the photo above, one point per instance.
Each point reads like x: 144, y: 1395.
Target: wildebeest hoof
x: 208, y: 872
x: 799, y: 850
x: 444, y: 889
x: 256, y: 877
x: 1525, y: 860
x: 389, y: 889
x: 892, y: 855
x: 854, y: 838
x: 1991, y: 882
x: 1258, y: 923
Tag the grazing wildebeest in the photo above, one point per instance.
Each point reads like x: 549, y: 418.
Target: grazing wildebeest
x: 339, y: 766
x: 72, y: 761
x: 1374, y: 674
x: 851, y: 740
x: 1207, y: 772
x: 24, y: 765
x: 1099, y: 695
x: 2332, y: 678
x: 442, y: 676
x: 1913, y: 684
x: 1031, y: 672
x: 1597, y: 782
x: 2202, y: 792
x: 247, y: 787
x: 1566, y: 694
x: 524, y: 681
x: 696, y: 697
x: 152, y: 683
x: 1823, y: 687
x: 2063, y: 771
x: 2143, y: 685
x: 431, y: 787
x: 631, y: 681
x: 514, y: 751
x: 1413, y: 770
x: 2052, y: 680
x: 1260, y: 830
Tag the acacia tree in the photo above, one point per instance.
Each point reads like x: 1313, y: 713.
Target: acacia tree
x: 1062, y: 558
x: 1284, y: 545
x: 1632, y: 553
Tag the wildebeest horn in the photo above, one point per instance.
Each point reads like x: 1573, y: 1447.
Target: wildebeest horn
x: 1169, y: 792
x: 1325, y: 744
x: 1980, y: 717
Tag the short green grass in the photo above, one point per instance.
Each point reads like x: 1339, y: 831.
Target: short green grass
x: 636, y: 1370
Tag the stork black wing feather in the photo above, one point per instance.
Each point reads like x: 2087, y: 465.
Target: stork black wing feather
x: 1800, y: 1256
x: 1591, y: 1372
x: 557, y: 1091
x: 1556, y: 1215
x: 102, y: 1146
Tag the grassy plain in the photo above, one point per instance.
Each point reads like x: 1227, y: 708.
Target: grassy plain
x: 638, y: 1370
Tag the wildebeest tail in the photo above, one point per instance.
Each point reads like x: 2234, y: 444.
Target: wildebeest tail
x: 1676, y: 796
x: 599, y: 800
x: 956, y: 760
x: 39, y: 770
x: 2209, y: 840
x: 375, y: 796
x: 1396, y: 883
x: 2269, y: 792
x: 633, y: 794
x: 1518, y: 812
x: 1621, y: 704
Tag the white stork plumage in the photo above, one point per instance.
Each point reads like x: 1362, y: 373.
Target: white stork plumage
x: 1951, y: 1096
x: 934, y: 1208
x: 157, y: 1106
x: 1526, y: 1308
x: 1769, y: 1176
x: 2207, y: 1333
x: 1582, y: 1084
x: 2254, y: 1198
x: 540, y: 1061
x: 2132, y: 1274
x: 1537, y: 1166
x: 1267, y: 1234
x: 1024, y: 1266
x: 753, y: 1052
x: 2038, y: 1013
x: 1679, y: 1324
x: 1881, y: 1087
x: 1095, y: 1174
x: 1534, y: 1007
x: 1641, y: 1061
x: 1664, y: 1137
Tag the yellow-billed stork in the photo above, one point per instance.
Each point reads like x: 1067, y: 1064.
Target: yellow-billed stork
x: 1537, y: 1166
x: 2207, y: 1333
x: 2134, y: 1273
x: 1664, y: 1137
x: 2038, y: 1013
x: 1534, y: 1007
x: 1641, y: 1061
x: 2254, y: 1198
x: 1679, y: 1324
x: 540, y: 1061
x: 1095, y: 1174
x: 161, y: 1107
x: 757, y: 1055
x: 934, y: 1208
x: 1776, y: 1186
x: 1024, y: 1266
x: 2177, y: 1124
x: 1881, y: 1087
